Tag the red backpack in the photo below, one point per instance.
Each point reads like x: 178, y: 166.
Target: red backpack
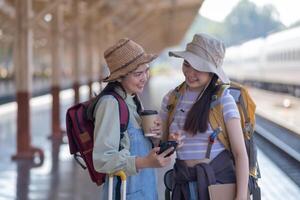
x: 80, y: 131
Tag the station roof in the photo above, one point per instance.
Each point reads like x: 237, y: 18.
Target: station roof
x: 156, y: 24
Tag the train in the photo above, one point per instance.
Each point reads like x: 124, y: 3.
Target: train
x: 270, y: 63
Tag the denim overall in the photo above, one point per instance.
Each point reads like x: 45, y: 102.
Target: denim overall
x: 143, y: 185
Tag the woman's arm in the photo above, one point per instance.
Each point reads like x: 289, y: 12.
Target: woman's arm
x: 239, y: 152
x: 106, y: 155
x: 163, y: 114
x: 154, y: 160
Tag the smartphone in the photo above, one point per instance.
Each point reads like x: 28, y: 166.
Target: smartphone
x: 166, y: 145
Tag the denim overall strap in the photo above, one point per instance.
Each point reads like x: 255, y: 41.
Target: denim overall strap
x: 142, y: 185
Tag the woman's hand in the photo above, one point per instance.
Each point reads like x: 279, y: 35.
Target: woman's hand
x: 178, y: 137
x: 154, y: 160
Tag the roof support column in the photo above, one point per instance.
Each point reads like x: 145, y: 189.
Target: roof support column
x: 23, y: 66
x: 96, y: 58
x: 101, y: 62
x: 89, y: 56
x: 76, y: 49
x: 57, y: 52
x: 106, y: 39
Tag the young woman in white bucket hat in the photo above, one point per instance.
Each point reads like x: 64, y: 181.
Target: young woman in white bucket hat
x: 129, y: 72
x: 190, y: 127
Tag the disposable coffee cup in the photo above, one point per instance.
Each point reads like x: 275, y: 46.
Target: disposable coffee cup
x: 148, y: 118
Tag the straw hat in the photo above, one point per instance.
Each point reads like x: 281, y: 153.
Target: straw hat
x: 204, y: 53
x: 124, y: 57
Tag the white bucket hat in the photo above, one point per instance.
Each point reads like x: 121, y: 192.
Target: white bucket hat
x: 204, y: 53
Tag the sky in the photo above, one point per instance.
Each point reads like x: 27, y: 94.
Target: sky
x: 218, y: 9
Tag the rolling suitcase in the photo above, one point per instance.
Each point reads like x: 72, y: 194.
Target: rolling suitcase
x: 122, y: 175
x: 168, y: 183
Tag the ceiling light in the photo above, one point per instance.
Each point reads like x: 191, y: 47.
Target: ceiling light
x: 48, y: 17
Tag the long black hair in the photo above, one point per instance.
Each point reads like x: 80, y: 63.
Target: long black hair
x: 198, y: 116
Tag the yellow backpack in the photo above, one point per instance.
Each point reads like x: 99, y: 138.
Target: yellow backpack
x: 246, y: 108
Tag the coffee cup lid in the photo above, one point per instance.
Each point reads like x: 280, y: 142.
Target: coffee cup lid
x: 149, y: 112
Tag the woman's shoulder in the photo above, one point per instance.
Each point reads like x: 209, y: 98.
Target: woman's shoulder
x: 167, y: 95
x: 230, y: 109
x: 106, y: 101
x: 227, y: 96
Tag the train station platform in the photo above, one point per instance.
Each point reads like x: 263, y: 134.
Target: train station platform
x: 60, y: 178
x: 283, y: 109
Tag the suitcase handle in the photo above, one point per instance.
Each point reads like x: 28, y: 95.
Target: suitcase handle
x: 122, y: 175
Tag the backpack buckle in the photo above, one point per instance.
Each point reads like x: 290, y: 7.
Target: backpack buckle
x: 177, y: 94
x: 215, y: 101
x: 78, y: 158
x: 170, y: 107
x: 248, y: 128
x: 211, y: 140
x: 213, y: 136
x: 214, y: 97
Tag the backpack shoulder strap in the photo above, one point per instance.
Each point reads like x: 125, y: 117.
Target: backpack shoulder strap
x: 216, y: 98
x: 123, y: 111
x: 216, y: 119
x: 172, y: 103
x: 247, y: 106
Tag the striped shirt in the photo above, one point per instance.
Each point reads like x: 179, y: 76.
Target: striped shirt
x: 194, y: 147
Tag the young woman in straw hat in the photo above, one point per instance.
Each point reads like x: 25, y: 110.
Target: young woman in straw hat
x: 129, y: 72
x: 190, y: 126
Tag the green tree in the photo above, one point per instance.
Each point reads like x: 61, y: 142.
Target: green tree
x: 204, y: 25
x: 245, y: 22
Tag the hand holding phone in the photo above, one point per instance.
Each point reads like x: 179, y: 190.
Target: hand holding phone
x: 178, y: 137
x: 166, y: 145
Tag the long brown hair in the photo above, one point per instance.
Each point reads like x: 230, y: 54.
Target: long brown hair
x: 198, y: 116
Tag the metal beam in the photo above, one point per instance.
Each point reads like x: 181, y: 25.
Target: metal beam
x: 107, y: 18
x: 179, y: 4
x: 91, y: 12
x: 144, y: 15
x: 96, y: 6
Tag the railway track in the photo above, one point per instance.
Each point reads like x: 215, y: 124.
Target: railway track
x: 281, y: 145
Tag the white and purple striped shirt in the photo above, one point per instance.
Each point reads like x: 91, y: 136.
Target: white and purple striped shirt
x: 194, y: 147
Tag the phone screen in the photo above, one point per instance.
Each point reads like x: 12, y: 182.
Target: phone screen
x: 166, y: 145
